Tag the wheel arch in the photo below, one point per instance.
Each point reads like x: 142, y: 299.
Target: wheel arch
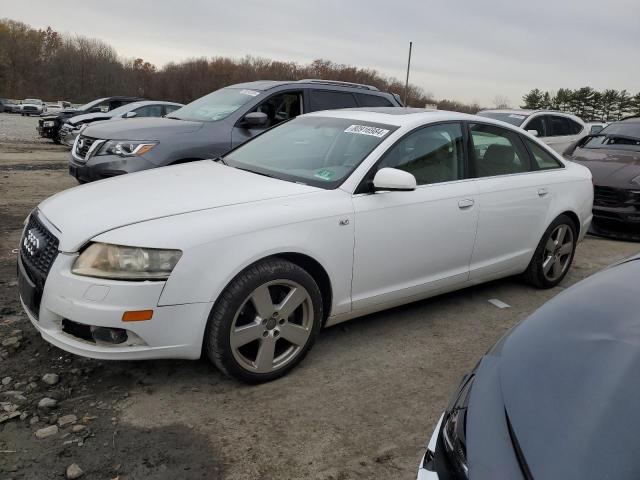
x: 574, y: 218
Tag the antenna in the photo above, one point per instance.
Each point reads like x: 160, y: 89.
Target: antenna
x: 406, y: 85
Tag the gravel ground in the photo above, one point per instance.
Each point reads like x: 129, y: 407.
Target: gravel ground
x: 362, y: 404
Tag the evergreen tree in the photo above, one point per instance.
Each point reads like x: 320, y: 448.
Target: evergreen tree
x: 533, y: 100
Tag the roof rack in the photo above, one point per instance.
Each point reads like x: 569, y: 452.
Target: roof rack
x: 336, y: 82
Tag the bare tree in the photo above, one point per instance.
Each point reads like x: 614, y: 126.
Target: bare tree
x: 500, y: 101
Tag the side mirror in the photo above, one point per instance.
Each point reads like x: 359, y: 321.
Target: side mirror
x: 130, y: 115
x: 256, y: 119
x: 393, y: 179
x: 533, y: 132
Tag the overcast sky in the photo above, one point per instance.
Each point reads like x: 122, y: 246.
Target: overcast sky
x: 464, y: 50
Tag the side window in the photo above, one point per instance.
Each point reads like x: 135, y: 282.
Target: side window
x: 574, y: 127
x: 372, y: 100
x: 537, y: 124
x: 559, y: 126
x: 497, y: 151
x: 149, y: 111
x: 432, y: 154
x: 114, y: 104
x: 331, y: 100
x: 281, y: 107
x: 170, y: 108
x: 543, y: 159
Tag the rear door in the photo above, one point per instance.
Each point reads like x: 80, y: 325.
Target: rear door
x: 561, y: 132
x: 513, y: 200
x: 278, y: 107
x: 330, y: 100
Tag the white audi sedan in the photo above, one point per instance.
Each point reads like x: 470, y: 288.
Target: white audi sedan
x: 327, y: 217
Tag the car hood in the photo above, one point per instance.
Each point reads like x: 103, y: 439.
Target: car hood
x: 568, y: 376
x: 142, y: 129
x: 89, y: 117
x: 83, y: 212
x: 609, y: 167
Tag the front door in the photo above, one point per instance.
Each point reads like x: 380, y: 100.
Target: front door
x: 278, y: 108
x: 411, y: 244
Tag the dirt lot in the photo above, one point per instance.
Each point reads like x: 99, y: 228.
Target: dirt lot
x: 361, y: 405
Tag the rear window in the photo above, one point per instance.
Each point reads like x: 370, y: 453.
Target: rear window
x: 331, y: 100
x: 372, y: 100
x: 512, y: 118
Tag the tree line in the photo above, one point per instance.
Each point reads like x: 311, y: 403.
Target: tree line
x: 587, y: 103
x: 45, y: 64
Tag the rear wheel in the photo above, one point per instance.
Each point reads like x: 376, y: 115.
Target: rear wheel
x: 265, y: 322
x: 554, y: 254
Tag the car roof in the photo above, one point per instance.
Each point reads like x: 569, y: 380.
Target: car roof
x: 524, y: 111
x: 400, y: 116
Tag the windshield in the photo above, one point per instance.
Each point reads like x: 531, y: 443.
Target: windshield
x: 318, y: 151
x: 92, y: 103
x: 125, y: 108
x: 215, y: 106
x: 621, y: 135
x: 32, y: 100
x: 512, y: 118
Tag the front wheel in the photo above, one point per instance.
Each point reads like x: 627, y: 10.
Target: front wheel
x: 264, y: 322
x: 554, y: 254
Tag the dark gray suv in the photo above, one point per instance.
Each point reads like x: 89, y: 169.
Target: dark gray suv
x: 210, y: 126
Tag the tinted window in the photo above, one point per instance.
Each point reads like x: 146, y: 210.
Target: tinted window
x: 149, y: 111
x: 281, y: 107
x: 559, y: 126
x: 537, y: 124
x: 170, y: 108
x: 314, y: 150
x: 372, y: 100
x: 330, y: 100
x: 497, y: 151
x: 432, y: 154
x: 543, y: 159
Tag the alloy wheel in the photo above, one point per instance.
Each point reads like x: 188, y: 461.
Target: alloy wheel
x: 272, y: 326
x: 557, y: 252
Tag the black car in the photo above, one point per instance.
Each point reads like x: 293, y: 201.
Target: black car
x: 210, y: 126
x: 49, y: 126
x: 557, y: 397
x: 613, y: 156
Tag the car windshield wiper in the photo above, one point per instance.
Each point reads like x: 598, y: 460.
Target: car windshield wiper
x: 172, y: 118
x: 220, y: 159
x: 258, y: 173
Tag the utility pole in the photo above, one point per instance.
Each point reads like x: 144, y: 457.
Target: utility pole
x: 406, y: 85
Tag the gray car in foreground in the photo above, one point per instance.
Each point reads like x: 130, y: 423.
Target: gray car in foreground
x: 210, y: 126
x: 557, y: 397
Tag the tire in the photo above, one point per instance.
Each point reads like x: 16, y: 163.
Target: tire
x: 553, y: 256
x: 248, y: 338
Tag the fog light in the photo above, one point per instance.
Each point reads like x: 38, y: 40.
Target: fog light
x: 109, y: 335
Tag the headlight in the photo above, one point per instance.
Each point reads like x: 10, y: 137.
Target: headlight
x: 126, y: 148
x: 119, y: 262
x: 453, y: 432
x: 48, y: 123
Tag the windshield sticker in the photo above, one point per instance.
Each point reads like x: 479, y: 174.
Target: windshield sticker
x: 519, y: 117
x: 251, y: 93
x: 324, y: 174
x: 366, y: 130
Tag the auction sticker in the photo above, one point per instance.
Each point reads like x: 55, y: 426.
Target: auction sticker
x: 324, y: 174
x: 251, y: 93
x: 519, y: 117
x: 366, y: 130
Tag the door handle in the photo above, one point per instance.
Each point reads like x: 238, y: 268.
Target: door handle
x: 466, y: 203
x: 542, y: 192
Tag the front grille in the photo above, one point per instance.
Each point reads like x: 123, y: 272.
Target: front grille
x: 609, y: 196
x: 38, y: 250
x: 83, y: 145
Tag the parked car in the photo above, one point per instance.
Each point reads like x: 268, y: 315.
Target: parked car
x: 613, y: 156
x: 148, y: 108
x: 212, y: 125
x: 49, y: 126
x: 32, y: 106
x: 56, y: 107
x: 327, y: 217
x: 557, y: 129
x: 8, y: 106
x: 556, y: 388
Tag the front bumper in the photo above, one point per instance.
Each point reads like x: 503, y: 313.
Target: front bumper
x: 617, y: 222
x: 424, y: 471
x: 106, y: 166
x: 175, y: 331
